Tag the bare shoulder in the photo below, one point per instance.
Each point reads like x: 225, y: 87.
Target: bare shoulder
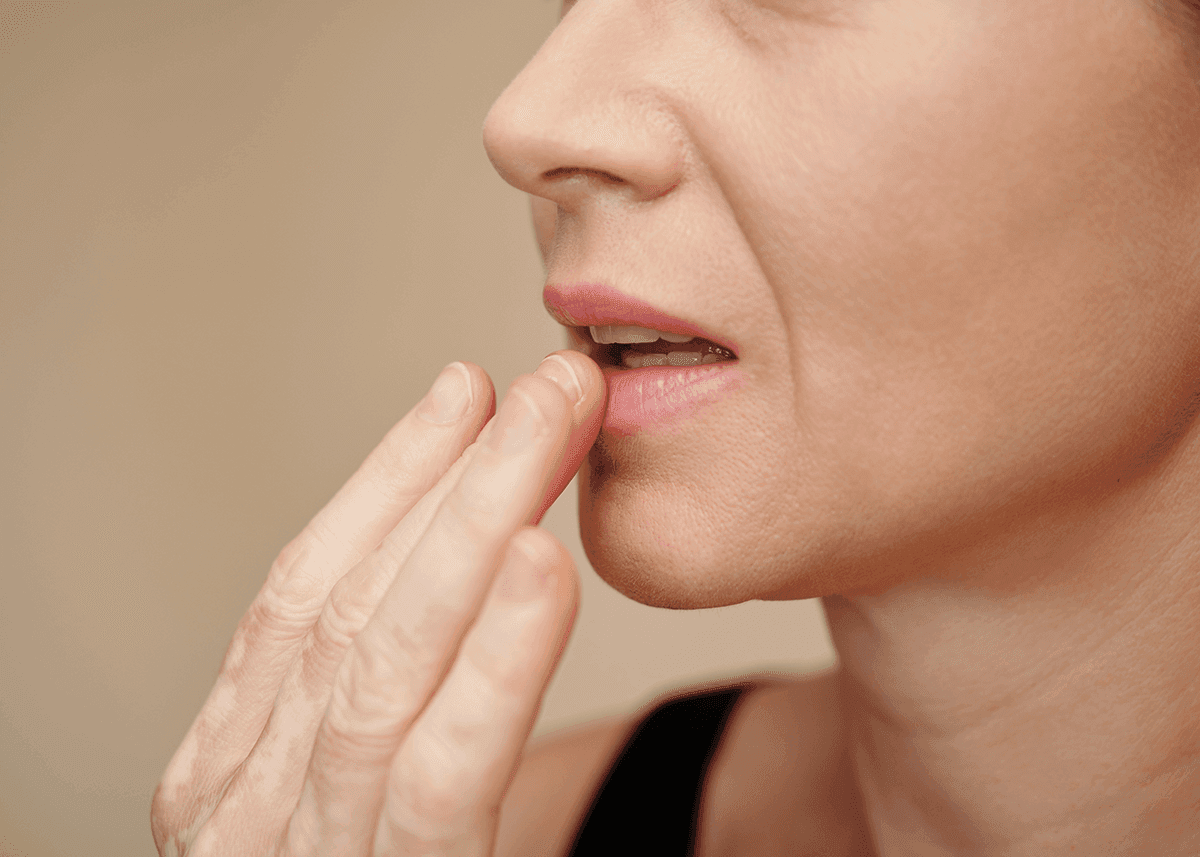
x: 561, y: 772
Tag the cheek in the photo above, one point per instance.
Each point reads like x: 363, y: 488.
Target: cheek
x: 971, y: 232
x: 968, y: 257
x: 962, y: 244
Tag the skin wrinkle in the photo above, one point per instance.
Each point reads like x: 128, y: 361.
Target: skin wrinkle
x: 957, y: 245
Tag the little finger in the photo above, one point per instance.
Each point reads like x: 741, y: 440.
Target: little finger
x: 450, y: 775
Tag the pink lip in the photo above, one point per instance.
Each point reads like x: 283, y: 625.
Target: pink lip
x: 657, y: 398
x: 653, y: 398
x: 589, y: 304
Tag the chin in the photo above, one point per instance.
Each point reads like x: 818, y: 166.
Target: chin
x: 685, y: 553
x: 643, y: 556
x: 640, y: 567
x: 681, y: 555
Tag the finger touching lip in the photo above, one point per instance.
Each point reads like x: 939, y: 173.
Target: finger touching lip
x: 586, y: 417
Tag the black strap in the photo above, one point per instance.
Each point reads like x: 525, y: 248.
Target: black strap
x: 649, y: 801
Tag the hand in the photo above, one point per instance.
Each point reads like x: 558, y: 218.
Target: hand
x: 378, y: 693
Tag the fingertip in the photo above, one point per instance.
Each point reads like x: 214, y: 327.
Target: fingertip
x: 587, y: 414
x: 543, y: 549
x: 587, y: 373
x: 539, y: 546
x: 483, y: 390
x: 481, y: 383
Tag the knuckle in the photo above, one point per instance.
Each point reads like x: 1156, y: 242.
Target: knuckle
x: 168, y: 804
x: 186, y: 785
x: 471, y: 512
x: 369, y: 698
x: 319, y: 657
x: 433, y: 787
x: 292, y: 596
x: 176, y: 818
x: 164, y: 815
x: 498, y: 677
x: 291, y: 560
x: 344, y: 615
x: 547, y: 545
x: 358, y: 730
x: 275, y: 614
x: 295, y: 571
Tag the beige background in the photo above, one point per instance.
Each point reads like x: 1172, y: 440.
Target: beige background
x: 237, y: 242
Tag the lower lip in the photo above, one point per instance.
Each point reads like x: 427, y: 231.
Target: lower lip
x: 658, y: 398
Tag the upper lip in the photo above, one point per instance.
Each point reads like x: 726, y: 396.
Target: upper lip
x: 596, y: 304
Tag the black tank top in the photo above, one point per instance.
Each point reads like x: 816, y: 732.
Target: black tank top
x: 650, y: 799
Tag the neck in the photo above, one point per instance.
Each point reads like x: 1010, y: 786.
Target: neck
x: 1040, y: 697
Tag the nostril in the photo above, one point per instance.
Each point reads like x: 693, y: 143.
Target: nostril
x: 608, y: 177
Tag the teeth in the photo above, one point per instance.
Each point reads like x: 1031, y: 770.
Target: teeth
x: 630, y: 334
x: 634, y: 360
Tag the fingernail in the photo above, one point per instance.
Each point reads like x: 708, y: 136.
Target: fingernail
x: 558, y: 370
x: 449, y: 397
x: 517, y: 425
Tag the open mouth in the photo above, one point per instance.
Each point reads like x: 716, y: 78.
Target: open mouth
x: 694, y: 352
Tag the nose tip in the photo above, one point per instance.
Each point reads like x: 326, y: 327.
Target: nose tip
x: 575, y: 122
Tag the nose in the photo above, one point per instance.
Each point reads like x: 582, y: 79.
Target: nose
x: 583, y: 117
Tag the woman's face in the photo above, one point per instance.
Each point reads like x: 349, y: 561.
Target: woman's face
x: 955, y: 242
